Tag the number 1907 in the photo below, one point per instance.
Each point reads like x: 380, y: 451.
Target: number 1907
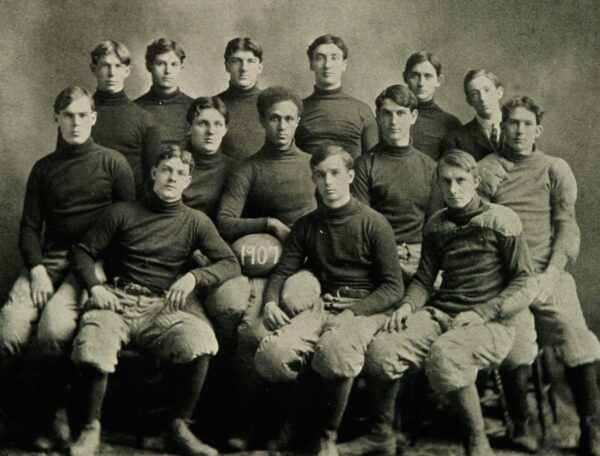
x: 260, y: 255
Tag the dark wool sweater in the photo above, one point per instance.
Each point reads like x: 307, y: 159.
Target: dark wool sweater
x: 351, y: 246
x: 208, y: 180
x: 124, y: 126
x: 67, y: 191
x: 245, y: 135
x: 432, y: 125
x: 542, y: 190
x: 401, y: 184
x: 484, y: 259
x: 152, y: 243
x: 333, y: 116
x: 272, y: 183
x: 169, y: 111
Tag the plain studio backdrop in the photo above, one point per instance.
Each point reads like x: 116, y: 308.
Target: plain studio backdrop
x: 545, y: 49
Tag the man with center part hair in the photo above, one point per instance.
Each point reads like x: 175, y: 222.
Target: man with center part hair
x: 165, y: 100
x: 350, y: 248
x: 331, y: 116
x: 464, y: 326
x: 146, y: 305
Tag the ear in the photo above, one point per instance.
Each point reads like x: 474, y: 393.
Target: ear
x: 227, y: 66
x: 440, y: 79
x: 263, y: 121
x: 351, y: 174
x: 127, y: 71
x: 345, y: 65
x: 149, y: 67
x: 55, y: 118
x: 538, y: 130
x: 477, y: 181
x: 94, y: 117
x: 92, y: 68
x: 153, y: 173
x: 414, y: 114
x: 500, y: 91
x: 468, y: 99
x: 188, y: 181
x: 260, y: 67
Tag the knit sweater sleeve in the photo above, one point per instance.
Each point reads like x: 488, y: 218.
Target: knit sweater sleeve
x: 566, y: 234
x: 123, y: 182
x: 150, y: 143
x: 435, y: 201
x: 231, y: 206
x: 32, y: 220
x: 361, y: 184
x: 370, y: 132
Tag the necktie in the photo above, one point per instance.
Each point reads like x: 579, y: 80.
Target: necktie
x: 494, y: 136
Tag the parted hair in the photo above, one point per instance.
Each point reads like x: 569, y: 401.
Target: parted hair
x: 457, y: 158
x: 420, y: 57
x: 327, y: 39
x: 111, y: 47
x: 477, y: 73
x: 522, y: 101
x: 202, y: 103
x: 329, y: 150
x: 276, y: 94
x: 243, y: 44
x: 162, y: 46
x: 169, y: 151
x: 69, y: 95
x: 400, y: 95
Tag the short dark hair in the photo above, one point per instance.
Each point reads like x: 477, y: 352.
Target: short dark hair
x: 399, y: 94
x: 243, y: 44
x: 473, y: 74
x: 111, y: 47
x: 69, y: 95
x: 457, y: 158
x: 276, y: 94
x: 329, y: 150
x: 327, y: 39
x: 420, y: 57
x: 522, y: 101
x: 162, y: 46
x: 202, y: 103
x: 169, y: 151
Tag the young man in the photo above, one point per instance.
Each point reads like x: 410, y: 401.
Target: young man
x: 330, y: 114
x: 67, y: 191
x: 542, y: 191
x: 269, y: 191
x: 243, y: 62
x: 396, y: 179
x: 121, y: 124
x: 350, y: 248
x: 482, y: 135
x: 468, y: 323
x: 423, y: 75
x: 165, y: 100
x: 146, y: 304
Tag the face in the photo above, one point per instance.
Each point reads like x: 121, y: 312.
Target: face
x: 333, y: 180
x: 171, y: 177
x: 166, y: 69
x: 328, y: 64
x: 483, y: 95
x: 395, y: 122
x: 243, y: 68
x: 423, y: 81
x: 280, y: 123
x: 457, y: 185
x: 110, y: 73
x: 207, y: 130
x: 521, y: 130
x: 76, y: 121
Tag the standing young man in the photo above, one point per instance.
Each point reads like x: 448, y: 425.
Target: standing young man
x: 121, y: 124
x: 482, y: 135
x: 67, y: 191
x: 243, y: 62
x: 165, y: 100
x: 146, y: 304
x: 423, y: 75
x: 542, y: 191
x: 331, y: 116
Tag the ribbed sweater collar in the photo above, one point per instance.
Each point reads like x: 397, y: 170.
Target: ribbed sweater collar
x: 397, y: 151
x: 67, y: 150
x: 463, y: 215
x: 276, y: 154
x: 430, y: 105
x: 155, y: 204
x: 234, y: 92
x: 156, y: 96
x: 340, y: 212
x: 508, y: 153
x: 329, y: 94
x: 110, y: 99
x: 202, y: 159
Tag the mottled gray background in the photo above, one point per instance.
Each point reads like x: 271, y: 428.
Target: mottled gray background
x: 546, y: 49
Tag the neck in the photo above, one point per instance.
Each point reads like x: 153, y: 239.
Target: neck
x: 495, y: 116
x: 512, y: 154
x: 200, y: 154
x: 244, y: 90
x: 278, y: 148
x: 162, y: 91
x: 338, y: 203
x: 157, y: 204
x: 328, y: 89
x: 426, y: 103
x: 72, y: 149
x: 402, y: 142
x: 462, y: 215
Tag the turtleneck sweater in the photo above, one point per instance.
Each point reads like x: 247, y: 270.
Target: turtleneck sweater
x: 333, y: 116
x: 169, y: 111
x: 432, y: 125
x: 484, y: 258
x: 542, y: 190
x: 208, y: 180
x: 245, y: 135
x: 272, y: 183
x: 152, y: 242
x: 67, y: 191
x: 401, y: 184
x: 350, y: 246
x: 124, y: 126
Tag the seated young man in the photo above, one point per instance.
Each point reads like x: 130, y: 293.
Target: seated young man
x: 350, y: 248
x: 542, y: 190
x: 146, y: 304
x: 67, y: 191
x: 165, y: 100
x: 468, y: 324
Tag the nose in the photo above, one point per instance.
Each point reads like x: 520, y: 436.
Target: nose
x: 111, y: 70
x: 453, y: 188
x: 328, y: 178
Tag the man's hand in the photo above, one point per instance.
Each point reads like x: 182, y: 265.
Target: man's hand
x: 274, y: 316
x: 397, y: 321
x: 468, y: 318
x: 547, y: 282
x: 102, y: 298
x: 179, y: 291
x: 336, y: 303
x: 41, y: 286
x: 277, y: 228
